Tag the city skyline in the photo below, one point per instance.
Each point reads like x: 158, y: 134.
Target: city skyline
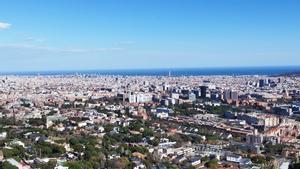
x: 114, y: 35
x: 149, y: 84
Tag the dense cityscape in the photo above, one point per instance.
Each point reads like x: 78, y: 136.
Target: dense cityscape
x: 149, y: 84
x: 157, y: 122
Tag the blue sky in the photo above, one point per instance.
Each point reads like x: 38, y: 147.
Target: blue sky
x: 130, y: 34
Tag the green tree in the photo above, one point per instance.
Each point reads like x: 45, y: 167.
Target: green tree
x: 120, y: 163
x: 148, y: 132
x: 50, y: 165
x: 168, y: 165
x: 74, y: 165
x: 78, y: 148
x: 258, y: 159
x: 7, y: 165
x: 212, y: 164
x: 108, y: 128
x: 136, y: 126
x: 205, y: 159
x: 16, y: 151
x: 275, y: 149
x: 49, y: 150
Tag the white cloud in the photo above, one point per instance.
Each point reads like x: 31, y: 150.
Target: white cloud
x: 4, y: 25
x: 60, y: 50
x: 34, y: 39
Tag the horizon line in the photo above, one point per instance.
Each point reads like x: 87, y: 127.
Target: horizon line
x: 128, y: 70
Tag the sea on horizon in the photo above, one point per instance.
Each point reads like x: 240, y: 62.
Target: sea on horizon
x: 236, y: 71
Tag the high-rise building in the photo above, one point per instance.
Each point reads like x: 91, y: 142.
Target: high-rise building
x: 254, y: 139
x: 132, y: 98
x: 185, y: 91
x: 197, y: 93
x: 215, y: 96
x: 230, y: 95
x: 227, y: 95
x: 140, y: 98
x: 261, y: 83
x: 203, y: 91
x: 234, y: 95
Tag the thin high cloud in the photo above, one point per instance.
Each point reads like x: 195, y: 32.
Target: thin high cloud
x: 126, y: 42
x: 35, y: 39
x: 29, y: 38
x: 59, y: 50
x: 4, y: 25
